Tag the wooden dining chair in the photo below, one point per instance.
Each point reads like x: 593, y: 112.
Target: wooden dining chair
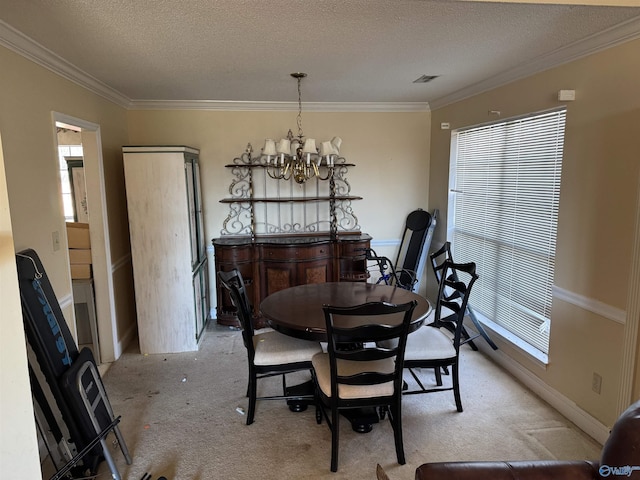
x: 433, y: 348
x: 269, y: 353
x: 437, y: 262
x: 356, y: 372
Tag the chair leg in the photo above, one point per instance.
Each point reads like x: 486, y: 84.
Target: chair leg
x: 438, y: 373
x: 396, y: 423
x: 456, y: 387
x: 252, y: 397
x: 335, y: 427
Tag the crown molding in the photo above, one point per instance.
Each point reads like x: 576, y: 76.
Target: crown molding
x: 18, y: 42
x: 278, y: 106
x: 616, y: 35
x: 21, y: 44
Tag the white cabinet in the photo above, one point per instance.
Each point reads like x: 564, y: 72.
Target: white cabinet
x: 168, y: 248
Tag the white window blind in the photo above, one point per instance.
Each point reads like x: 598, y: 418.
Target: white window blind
x: 503, y: 210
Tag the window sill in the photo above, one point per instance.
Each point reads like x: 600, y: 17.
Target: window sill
x: 537, y: 356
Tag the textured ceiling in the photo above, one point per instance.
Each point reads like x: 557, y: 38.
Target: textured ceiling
x: 353, y: 51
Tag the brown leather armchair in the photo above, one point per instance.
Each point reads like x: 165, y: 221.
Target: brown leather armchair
x: 620, y: 459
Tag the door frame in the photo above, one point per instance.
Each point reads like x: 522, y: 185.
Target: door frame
x: 110, y: 349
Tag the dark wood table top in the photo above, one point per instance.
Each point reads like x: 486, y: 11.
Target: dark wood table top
x: 297, y: 311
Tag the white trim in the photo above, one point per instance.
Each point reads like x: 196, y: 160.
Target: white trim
x: 225, y: 105
x: 99, y: 233
x: 537, y: 356
x: 127, y: 338
x: 159, y: 148
x: 591, y: 305
x: 590, y: 425
x: 623, y: 32
x: 21, y: 44
x: 390, y: 242
x: 630, y: 336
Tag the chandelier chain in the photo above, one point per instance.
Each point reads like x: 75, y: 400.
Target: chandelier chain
x: 299, y: 119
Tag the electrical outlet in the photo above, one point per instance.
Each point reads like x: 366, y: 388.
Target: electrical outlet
x: 55, y: 237
x: 596, y: 383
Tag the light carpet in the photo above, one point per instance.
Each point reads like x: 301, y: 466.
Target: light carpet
x: 182, y: 418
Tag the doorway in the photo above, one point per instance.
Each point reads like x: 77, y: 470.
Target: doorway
x: 76, y: 214
x: 93, y: 202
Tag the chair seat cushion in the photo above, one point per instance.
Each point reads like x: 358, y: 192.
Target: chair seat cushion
x: 275, y: 348
x: 428, y: 343
x: 346, y: 367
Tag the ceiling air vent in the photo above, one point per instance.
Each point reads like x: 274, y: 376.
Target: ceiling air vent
x: 425, y: 78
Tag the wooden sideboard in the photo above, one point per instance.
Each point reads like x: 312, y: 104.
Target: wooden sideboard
x: 270, y: 264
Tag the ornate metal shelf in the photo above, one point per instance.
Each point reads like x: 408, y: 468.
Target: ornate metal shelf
x: 260, y: 205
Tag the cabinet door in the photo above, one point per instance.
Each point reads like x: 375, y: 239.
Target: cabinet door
x: 285, y: 266
x: 281, y: 275
x: 199, y: 211
x: 161, y: 259
x: 200, y: 292
x: 278, y: 276
x: 318, y: 271
x: 191, y: 204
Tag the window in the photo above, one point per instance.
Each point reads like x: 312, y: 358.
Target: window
x: 503, y: 211
x: 64, y: 152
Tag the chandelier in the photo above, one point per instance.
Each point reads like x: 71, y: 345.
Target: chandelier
x: 297, y: 158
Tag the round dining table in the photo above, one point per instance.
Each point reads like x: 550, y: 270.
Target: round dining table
x: 297, y: 311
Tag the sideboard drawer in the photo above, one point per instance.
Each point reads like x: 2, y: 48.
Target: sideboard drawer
x: 353, y: 249
x: 234, y: 254
x: 296, y: 253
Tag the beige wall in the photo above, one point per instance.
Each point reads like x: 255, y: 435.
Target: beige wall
x: 390, y: 151
x: 15, y: 392
x: 597, y: 209
x: 28, y: 95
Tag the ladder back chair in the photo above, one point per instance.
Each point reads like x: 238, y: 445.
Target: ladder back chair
x: 430, y: 347
x: 356, y: 371
x: 437, y: 262
x: 269, y: 353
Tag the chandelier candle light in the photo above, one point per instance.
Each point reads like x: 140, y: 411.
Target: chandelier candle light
x: 298, y: 158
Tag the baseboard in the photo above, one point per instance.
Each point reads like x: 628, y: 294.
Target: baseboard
x: 125, y: 340
x: 588, y: 424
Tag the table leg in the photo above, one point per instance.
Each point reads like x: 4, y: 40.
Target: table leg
x: 362, y: 419
x: 305, y: 392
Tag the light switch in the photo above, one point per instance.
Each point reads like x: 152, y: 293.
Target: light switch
x: 55, y: 237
